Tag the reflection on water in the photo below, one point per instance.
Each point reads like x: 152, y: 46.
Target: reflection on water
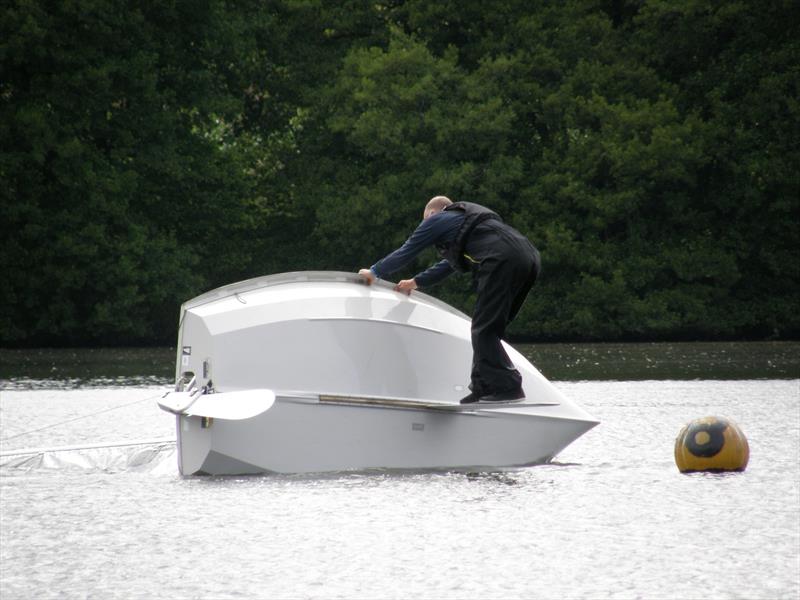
x: 691, y: 360
x: 504, y: 478
x: 79, y: 367
x: 105, y: 367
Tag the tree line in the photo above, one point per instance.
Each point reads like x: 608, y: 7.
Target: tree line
x: 154, y: 150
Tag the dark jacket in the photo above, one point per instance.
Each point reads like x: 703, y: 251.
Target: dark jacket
x: 454, y: 252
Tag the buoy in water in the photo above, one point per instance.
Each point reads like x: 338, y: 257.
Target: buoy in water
x: 711, y: 444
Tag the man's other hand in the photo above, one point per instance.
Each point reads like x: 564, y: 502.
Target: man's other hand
x: 406, y: 286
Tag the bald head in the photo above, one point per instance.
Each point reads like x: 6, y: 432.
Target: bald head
x: 436, y: 205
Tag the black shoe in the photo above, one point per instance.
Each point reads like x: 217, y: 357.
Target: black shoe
x: 508, y: 396
x: 470, y: 398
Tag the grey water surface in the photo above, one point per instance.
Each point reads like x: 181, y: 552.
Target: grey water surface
x: 611, y: 518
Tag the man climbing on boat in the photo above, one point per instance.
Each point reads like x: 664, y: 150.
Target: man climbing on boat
x: 472, y: 238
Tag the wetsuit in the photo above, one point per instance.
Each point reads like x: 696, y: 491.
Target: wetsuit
x: 505, y: 265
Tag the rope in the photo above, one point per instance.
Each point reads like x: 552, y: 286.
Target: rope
x: 99, y: 412
x: 162, y: 442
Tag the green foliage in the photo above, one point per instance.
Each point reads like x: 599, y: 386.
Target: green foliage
x: 109, y: 182
x: 152, y: 151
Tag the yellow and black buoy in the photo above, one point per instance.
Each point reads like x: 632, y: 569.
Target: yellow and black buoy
x: 711, y: 444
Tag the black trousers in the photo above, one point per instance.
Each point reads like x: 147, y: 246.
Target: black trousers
x: 507, y: 266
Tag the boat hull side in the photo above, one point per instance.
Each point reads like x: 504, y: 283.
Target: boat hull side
x: 305, y: 437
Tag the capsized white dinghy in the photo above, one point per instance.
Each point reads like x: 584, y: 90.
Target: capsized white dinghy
x: 316, y: 371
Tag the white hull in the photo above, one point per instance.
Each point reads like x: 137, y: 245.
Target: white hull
x: 363, y: 377
x: 300, y: 435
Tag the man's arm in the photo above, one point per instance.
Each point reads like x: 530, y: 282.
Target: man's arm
x: 427, y: 278
x: 433, y: 275
x: 426, y: 234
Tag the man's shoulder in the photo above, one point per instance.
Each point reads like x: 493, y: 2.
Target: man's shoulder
x: 447, y: 214
x: 441, y: 218
x: 440, y: 224
x: 463, y: 207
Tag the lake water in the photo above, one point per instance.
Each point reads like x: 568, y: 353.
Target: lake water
x: 611, y: 518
